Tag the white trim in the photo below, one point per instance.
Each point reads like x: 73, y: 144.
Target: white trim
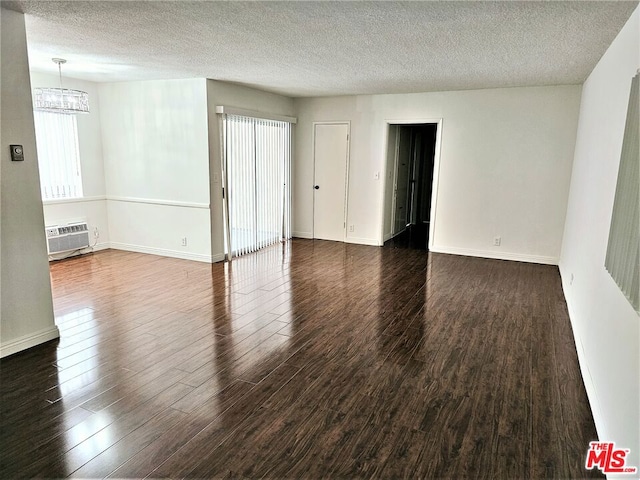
x: 435, y: 183
x: 436, y: 173
x: 411, y: 121
x: 218, y: 257
x: 224, y: 109
x: 152, y: 201
x: 308, y: 235
x: 363, y: 241
x: 346, y: 180
x: 96, y: 198
x: 101, y: 246
x: 224, y: 170
x: 587, y: 380
x: 115, y: 198
x: 394, y: 184
x: 27, y: 341
x: 517, y: 257
x: 197, y: 257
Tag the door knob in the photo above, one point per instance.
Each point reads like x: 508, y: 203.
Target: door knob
x: 317, y: 187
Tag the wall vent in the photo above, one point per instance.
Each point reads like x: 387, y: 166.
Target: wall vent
x: 64, y: 238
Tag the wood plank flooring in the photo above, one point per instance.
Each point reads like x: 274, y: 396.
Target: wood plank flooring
x: 313, y: 359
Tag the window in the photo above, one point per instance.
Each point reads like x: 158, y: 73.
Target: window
x: 58, y: 155
x: 623, y: 250
x: 257, y: 159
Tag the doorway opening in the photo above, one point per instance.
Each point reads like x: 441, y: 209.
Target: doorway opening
x: 411, y: 156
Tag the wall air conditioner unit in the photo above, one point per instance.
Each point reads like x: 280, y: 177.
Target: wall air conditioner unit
x: 65, y: 238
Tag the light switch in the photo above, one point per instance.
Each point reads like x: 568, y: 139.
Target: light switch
x: 376, y: 176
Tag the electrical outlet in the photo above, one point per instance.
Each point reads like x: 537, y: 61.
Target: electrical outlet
x: 184, y: 241
x: 376, y: 176
x: 497, y: 241
x: 352, y: 228
x: 571, y: 281
x: 96, y: 233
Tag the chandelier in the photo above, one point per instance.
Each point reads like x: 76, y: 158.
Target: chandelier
x: 60, y: 100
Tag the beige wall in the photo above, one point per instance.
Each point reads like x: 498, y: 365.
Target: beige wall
x: 27, y: 310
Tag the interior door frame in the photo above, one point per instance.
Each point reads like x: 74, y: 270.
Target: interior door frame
x: 346, y: 178
x: 394, y: 184
x: 436, y: 171
x: 394, y: 197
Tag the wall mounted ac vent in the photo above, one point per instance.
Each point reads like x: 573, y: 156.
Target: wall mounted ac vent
x: 64, y: 238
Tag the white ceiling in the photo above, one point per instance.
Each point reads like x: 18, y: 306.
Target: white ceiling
x: 326, y: 48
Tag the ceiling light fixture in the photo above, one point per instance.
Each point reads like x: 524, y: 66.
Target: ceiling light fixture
x: 60, y: 100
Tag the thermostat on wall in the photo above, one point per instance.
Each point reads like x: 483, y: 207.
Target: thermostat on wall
x: 17, y: 154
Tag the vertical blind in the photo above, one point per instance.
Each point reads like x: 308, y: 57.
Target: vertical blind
x: 58, y: 155
x: 257, y: 166
x: 623, y: 250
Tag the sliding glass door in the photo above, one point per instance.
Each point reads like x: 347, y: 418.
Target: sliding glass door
x: 257, y: 168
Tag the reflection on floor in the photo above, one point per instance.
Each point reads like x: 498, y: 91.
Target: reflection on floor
x: 313, y: 359
x: 414, y: 236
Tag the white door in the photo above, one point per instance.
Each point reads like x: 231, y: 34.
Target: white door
x: 330, y: 151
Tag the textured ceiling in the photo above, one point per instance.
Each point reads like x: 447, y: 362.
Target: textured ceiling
x: 326, y: 48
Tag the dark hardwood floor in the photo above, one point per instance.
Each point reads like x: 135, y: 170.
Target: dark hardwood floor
x: 313, y: 359
x: 414, y: 236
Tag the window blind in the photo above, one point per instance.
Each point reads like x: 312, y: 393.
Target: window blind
x: 623, y: 250
x: 257, y: 168
x: 58, y: 155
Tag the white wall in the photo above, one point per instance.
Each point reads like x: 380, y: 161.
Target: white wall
x: 26, y: 313
x: 227, y: 94
x: 505, y: 166
x: 156, y: 162
x: 146, y: 161
x: 93, y: 207
x: 606, y: 327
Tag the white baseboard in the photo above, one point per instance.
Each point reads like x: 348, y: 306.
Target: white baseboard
x: 374, y: 242
x: 308, y: 235
x: 518, y: 257
x: 101, y: 246
x: 218, y: 257
x: 28, y: 341
x: 198, y: 257
x: 589, y: 386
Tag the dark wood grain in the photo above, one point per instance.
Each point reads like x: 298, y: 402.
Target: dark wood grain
x: 305, y: 360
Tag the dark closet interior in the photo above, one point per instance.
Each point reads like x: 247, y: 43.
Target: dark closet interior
x: 415, y: 151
